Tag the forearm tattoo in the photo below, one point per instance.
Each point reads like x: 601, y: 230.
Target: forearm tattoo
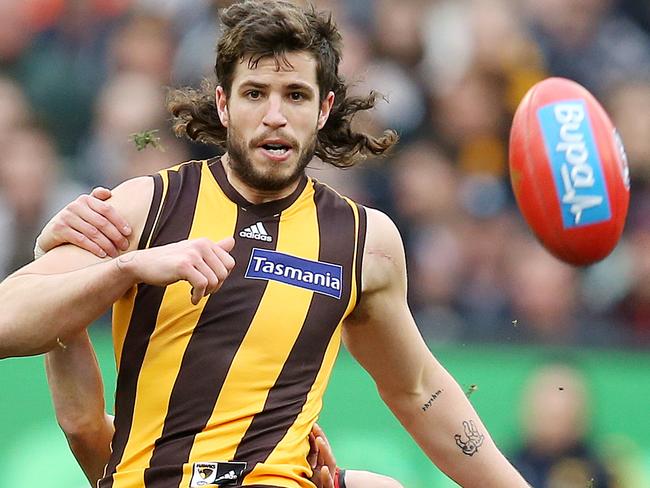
x: 474, y: 438
x: 432, y: 398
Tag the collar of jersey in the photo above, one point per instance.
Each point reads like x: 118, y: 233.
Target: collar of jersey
x: 265, y: 209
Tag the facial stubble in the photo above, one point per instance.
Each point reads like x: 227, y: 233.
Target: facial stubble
x: 261, y: 180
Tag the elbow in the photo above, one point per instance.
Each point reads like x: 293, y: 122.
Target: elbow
x: 79, y: 426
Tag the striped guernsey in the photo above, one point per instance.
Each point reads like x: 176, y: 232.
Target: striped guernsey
x: 224, y: 393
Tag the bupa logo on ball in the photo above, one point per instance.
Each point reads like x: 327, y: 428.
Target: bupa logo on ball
x: 316, y: 276
x: 575, y: 163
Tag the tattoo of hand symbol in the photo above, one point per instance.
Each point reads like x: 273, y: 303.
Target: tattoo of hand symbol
x: 474, y: 438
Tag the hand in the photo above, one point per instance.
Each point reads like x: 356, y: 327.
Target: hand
x: 89, y: 223
x: 321, y: 459
x: 203, y: 263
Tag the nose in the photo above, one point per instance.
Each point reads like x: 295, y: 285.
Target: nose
x: 274, y: 116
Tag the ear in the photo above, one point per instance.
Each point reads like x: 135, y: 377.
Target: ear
x: 325, y: 109
x: 222, y: 106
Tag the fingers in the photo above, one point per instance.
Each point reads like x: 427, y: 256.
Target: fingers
x: 101, y: 193
x: 96, y: 220
x: 212, y: 279
x: 198, y: 281
x: 116, y: 224
x: 74, y: 224
x: 224, y: 256
x: 325, y: 454
x: 312, y: 457
x: 226, y: 244
x: 212, y: 262
x: 326, y: 478
x: 80, y: 240
x: 318, y: 431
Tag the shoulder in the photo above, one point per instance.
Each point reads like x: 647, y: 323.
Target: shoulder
x: 132, y: 200
x: 132, y: 194
x: 383, y: 256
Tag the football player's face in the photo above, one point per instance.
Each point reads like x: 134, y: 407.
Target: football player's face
x: 273, y: 115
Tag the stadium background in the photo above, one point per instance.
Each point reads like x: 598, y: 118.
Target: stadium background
x: 78, y: 77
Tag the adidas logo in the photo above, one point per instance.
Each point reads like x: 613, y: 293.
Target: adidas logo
x: 257, y: 232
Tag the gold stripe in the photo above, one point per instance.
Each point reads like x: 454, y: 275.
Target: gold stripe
x: 263, y: 351
x: 175, y: 324
x: 293, y: 445
x: 123, y: 308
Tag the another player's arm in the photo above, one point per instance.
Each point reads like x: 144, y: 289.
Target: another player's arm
x: 383, y: 337
x: 64, y: 291
x: 77, y: 390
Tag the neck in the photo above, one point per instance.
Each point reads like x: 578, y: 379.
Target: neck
x: 254, y: 195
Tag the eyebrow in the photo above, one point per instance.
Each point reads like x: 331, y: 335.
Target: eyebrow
x: 253, y: 84
x: 291, y: 86
x: 301, y: 86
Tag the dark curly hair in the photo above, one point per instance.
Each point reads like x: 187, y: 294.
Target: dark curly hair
x: 256, y: 29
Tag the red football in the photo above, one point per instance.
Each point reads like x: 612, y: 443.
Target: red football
x: 569, y: 171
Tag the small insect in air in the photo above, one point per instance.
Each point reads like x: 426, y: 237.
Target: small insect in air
x: 470, y: 390
x: 147, y: 138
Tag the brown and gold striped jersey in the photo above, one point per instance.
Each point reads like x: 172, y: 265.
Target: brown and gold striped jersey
x: 224, y: 393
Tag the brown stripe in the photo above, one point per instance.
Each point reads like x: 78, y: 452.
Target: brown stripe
x: 287, y: 397
x: 145, y: 308
x: 207, y: 359
x: 153, y: 211
x: 361, y: 243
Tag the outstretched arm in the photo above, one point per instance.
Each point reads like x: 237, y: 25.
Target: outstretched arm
x: 383, y: 337
x: 77, y: 390
x: 48, y: 300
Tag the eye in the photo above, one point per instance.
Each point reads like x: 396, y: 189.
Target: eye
x: 253, y: 94
x: 297, y: 96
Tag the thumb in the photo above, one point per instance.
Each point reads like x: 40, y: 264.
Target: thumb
x: 101, y: 193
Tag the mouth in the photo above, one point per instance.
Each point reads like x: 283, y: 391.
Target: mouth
x: 277, y: 150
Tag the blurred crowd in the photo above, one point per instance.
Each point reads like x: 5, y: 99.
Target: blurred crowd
x: 79, y: 77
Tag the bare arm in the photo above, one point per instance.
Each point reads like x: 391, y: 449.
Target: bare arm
x: 60, y: 294
x: 364, y: 479
x: 49, y: 298
x: 77, y: 390
x: 383, y: 337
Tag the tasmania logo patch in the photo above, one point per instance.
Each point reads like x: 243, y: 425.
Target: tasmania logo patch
x: 317, y: 276
x: 216, y: 474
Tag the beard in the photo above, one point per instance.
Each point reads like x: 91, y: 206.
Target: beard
x: 260, y: 178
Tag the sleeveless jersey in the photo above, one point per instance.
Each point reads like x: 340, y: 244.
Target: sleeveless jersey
x: 224, y: 393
